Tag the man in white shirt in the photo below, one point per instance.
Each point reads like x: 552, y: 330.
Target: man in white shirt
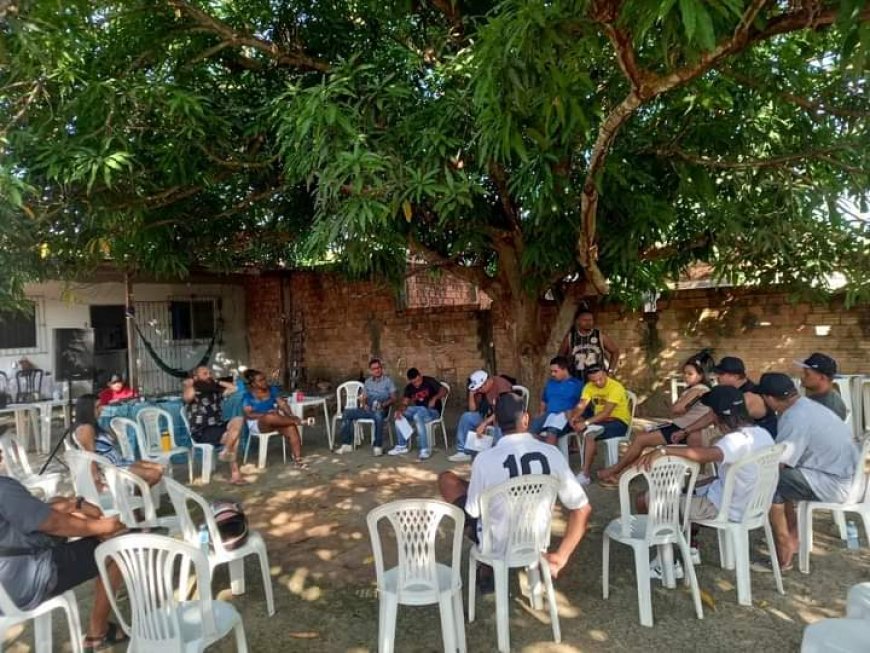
x: 519, y: 453
x: 819, y: 460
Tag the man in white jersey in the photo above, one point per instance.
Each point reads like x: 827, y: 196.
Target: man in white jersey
x: 519, y: 453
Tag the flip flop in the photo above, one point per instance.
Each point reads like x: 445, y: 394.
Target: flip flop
x: 609, y: 484
x: 114, y: 635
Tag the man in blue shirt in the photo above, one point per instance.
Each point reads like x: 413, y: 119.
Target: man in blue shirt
x: 379, y: 393
x: 561, y: 395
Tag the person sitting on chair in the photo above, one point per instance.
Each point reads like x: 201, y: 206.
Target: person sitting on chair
x: 90, y: 436
x: 38, y: 562
x: 379, y: 393
x: 265, y: 410
x: 483, y: 391
x: 609, y: 399
x: 818, y: 372
x: 561, y: 394
x: 421, y: 403
x: 116, y: 390
x: 687, y: 409
x: 204, y: 396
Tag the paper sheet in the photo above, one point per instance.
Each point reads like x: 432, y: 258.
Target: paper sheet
x: 403, y: 426
x: 556, y: 421
x: 475, y: 443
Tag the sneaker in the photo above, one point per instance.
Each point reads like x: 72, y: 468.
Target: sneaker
x: 377, y: 451
x: 459, y: 457
x: 695, y: 554
x: 425, y: 454
x: 656, y: 572
x: 583, y: 480
x: 345, y: 448
x: 398, y: 450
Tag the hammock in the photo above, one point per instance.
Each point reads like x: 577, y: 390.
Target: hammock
x: 174, y: 371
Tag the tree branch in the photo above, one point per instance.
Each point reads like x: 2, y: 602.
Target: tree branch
x: 450, y: 9
x: 667, y: 251
x: 772, y: 162
x: 473, y: 275
x: 232, y: 36
x: 499, y: 177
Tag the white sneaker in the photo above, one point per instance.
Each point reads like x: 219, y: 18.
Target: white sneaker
x: 459, y: 457
x: 583, y: 480
x: 425, y: 454
x: 695, y: 554
x: 398, y: 450
x: 377, y: 451
x: 657, y: 572
x: 345, y: 448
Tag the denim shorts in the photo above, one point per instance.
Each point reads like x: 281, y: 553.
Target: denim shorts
x: 793, y: 487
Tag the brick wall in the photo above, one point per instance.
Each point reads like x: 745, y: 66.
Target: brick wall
x: 344, y: 323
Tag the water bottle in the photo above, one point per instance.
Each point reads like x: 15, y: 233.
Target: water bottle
x: 851, y: 535
x: 203, y: 539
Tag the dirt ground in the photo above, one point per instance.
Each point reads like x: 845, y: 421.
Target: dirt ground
x: 323, y: 576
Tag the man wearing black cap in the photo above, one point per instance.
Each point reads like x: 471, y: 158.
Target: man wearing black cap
x: 731, y: 371
x: 817, y: 377
x: 819, y: 459
x: 519, y: 453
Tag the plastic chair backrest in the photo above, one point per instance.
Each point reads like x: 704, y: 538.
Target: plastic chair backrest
x: 523, y: 391
x: 149, y: 566
x: 860, y: 489
x: 152, y: 420
x: 81, y: 470
x: 632, y: 408
x: 181, y: 496
x: 523, y: 509
x: 446, y: 386
x: 865, y: 403
x: 347, y: 395
x: 124, y: 485
x: 121, y: 427
x: 666, y: 479
x: 15, y: 457
x: 28, y: 384
x: 415, y: 523
x: 766, y: 463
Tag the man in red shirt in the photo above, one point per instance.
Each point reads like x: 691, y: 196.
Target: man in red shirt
x: 115, y: 390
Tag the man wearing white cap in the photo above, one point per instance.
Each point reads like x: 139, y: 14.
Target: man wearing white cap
x: 483, y: 391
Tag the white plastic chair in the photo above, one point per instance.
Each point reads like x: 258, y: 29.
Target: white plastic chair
x: 41, y: 616
x: 857, y: 501
x: 159, y: 622
x: 122, y: 427
x: 418, y: 578
x: 734, y: 536
x: 523, y: 391
x: 18, y: 467
x: 152, y: 420
x: 660, y: 528
x: 346, y: 396
x: 81, y: 470
x: 131, y: 494
x: 848, y: 635
x: 360, y: 424
x: 612, y: 444
x: 206, y: 450
x: 524, y: 508
x: 262, y: 443
x: 218, y: 554
x: 439, y: 421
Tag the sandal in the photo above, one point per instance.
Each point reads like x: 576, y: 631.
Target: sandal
x: 609, y: 483
x: 114, y: 635
x: 300, y: 464
x: 227, y: 456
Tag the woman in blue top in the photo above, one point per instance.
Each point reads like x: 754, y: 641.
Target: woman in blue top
x: 266, y: 411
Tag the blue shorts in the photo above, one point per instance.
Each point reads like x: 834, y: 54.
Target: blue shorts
x: 613, y: 428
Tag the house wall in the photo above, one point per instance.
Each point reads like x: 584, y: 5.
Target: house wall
x: 343, y: 323
x: 66, y: 305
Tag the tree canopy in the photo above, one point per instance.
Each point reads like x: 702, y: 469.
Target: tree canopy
x: 524, y: 145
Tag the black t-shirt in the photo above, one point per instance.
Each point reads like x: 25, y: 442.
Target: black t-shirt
x: 205, y: 410
x: 423, y: 395
x: 768, y: 422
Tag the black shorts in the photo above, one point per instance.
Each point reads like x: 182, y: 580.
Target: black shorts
x: 470, y: 522
x: 210, y: 434
x: 74, y: 563
x: 668, y: 431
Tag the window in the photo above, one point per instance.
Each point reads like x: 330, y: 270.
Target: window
x: 18, y: 328
x: 192, y: 320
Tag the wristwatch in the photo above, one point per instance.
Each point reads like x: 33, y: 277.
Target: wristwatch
x: 79, y: 502
x: 662, y: 449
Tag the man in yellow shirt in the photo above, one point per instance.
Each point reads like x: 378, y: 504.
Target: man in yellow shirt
x: 609, y: 400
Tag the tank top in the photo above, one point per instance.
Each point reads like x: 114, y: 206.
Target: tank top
x: 768, y: 422
x: 586, y: 349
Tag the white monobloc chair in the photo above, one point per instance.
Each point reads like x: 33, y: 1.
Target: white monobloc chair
x: 262, y: 443
x: 41, y: 616
x: 524, y: 506
x: 81, y: 466
x: 848, y: 635
x: 18, y: 467
x: 661, y: 528
x: 360, y: 425
x: 734, y: 535
x: 611, y: 451
x: 439, y: 421
x: 857, y: 501
x: 122, y: 427
x: 131, y: 494
x: 159, y: 622
x: 346, y: 397
x: 523, y: 391
x: 419, y: 578
x: 152, y: 420
x: 206, y: 450
x: 218, y: 555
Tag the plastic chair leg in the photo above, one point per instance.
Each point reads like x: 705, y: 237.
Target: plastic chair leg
x: 208, y: 462
x: 805, y: 536
x: 267, y: 579
x: 241, y: 640
x: 692, y: 578
x: 726, y: 557
x: 740, y: 543
x: 448, y: 628
x: 563, y: 446
x: 263, y: 450
x: 605, y: 566
x: 459, y: 621
x: 536, y: 589
x: 551, y: 599
x: 42, y: 634
x: 387, y: 634
x: 840, y: 520
x: 644, y: 591
x: 237, y: 576
x: 669, y: 573
x: 774, y: 558
x: 284, y: 445
x: 501, y: 607
x: 472, y: 585
x: 247, y: 448
x: 190, y: 467
x: 73, y: 621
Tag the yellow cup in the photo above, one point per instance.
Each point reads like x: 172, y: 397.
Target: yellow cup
x: 165, y: 442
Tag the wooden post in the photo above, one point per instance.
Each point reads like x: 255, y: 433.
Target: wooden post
x: 129, y: 315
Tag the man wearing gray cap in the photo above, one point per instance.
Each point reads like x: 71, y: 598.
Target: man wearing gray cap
x: 817, y: 377
x: 818, y: 463
x: 484, y: 389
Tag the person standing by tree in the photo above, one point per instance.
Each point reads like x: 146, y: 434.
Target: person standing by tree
x: 586, y: 346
